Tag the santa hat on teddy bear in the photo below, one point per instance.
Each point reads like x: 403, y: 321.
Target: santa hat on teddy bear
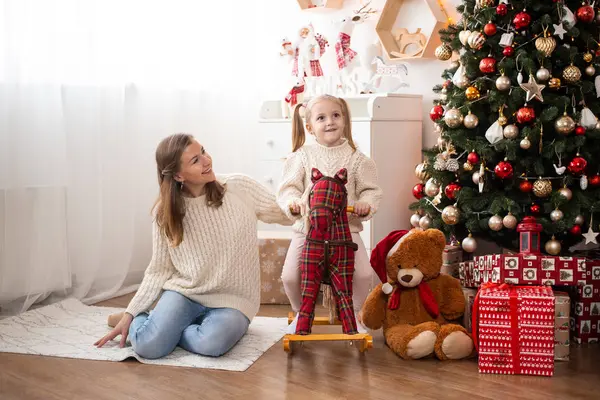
x: 381, y: 252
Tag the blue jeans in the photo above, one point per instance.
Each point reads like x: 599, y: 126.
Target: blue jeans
x: 179, y: 321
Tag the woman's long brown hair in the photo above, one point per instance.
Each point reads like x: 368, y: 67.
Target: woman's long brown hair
x: 170, y: 205
x: 298, y: 134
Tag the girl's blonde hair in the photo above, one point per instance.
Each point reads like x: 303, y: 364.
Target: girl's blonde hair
x: 170, y: 206
x: 298, y: 133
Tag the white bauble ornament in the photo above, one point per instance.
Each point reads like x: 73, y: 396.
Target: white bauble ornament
x: 453, y: 118
x: 503, y: 83
x: 469, y: 244
x: 432, y: 187
x: 511, y: 131
x: 556, y: 215
x: 495, y: 223
x: 450, y: 215
x: 525, y: 144
x: 475, y: 177
x: 425, y: 222
x: 414, y: 220
x: 579, y: 220
x: 509, y: 221
x: 471, y: 121
x: 542, y: 74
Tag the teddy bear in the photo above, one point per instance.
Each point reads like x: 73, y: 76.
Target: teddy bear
x: 415, y: 304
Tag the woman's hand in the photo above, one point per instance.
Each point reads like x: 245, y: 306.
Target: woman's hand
x: 361, y: 209
x: 122, y: 328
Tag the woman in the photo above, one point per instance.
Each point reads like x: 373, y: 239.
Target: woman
x: 204, y: 257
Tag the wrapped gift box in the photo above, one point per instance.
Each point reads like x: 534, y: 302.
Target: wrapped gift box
x: 451, y: 269
x: 562, y: 332
x: 585, y: 329
x: 515, y: 330
x: 523, y: 269
x: 452, y: 255
x: 272, y: 256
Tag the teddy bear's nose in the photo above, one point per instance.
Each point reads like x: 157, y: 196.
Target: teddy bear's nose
x: 406, y: 278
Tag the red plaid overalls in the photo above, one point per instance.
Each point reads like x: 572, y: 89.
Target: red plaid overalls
x: 328, y: 253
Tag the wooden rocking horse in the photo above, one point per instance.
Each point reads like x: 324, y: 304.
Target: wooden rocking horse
x: 328, y: 259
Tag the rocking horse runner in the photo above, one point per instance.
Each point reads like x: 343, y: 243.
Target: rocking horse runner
x: 328, y: 254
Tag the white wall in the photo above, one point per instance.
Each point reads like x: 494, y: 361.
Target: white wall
x: 267, y: 73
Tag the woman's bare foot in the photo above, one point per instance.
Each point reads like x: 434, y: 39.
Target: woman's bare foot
x: 114, y: 319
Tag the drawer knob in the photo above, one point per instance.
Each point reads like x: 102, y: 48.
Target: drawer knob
x: 270, y: 142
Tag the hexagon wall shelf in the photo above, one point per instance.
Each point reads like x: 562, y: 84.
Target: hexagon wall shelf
x: 308, y: 4
x: 399, y: 44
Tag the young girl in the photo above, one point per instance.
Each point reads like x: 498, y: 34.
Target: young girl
x: 328, y: 119
x: 204, y: 257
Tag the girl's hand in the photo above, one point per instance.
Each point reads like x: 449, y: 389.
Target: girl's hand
x: 361, y: 209
x: 122, y: 329
x: 296, y: 208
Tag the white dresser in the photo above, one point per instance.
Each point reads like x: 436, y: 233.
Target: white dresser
x: 385, y: 127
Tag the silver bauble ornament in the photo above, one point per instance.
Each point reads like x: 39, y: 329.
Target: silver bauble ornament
x: 525, y: 144
x: 511, y: 131
x: 450, y: 215
x: 579, y: 220
x: 542, y: 74
x: 432, y: 188
x: 553, y: 247
x: 425, y: 222
x: 414, y: 220
x: 556, y: 215
x: 495, y: 223
x: 565, y: 193
x: 475, y: 177
x: 503, y: 83
x: 461, y: 81
x: 469, y: 244
x: 509, y: 221
x: 453, y: 118
x: 590, y: 70
x: 471, y: 121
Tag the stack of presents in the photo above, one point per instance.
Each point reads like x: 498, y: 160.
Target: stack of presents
x: 527, y: 306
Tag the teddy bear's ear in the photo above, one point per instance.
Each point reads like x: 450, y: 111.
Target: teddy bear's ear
x: 437, y: 238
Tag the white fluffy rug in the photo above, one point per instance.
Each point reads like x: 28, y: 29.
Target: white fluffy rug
x: 70, y: 328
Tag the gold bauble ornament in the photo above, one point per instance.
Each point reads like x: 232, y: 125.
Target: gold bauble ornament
x: 453, y: 118
x: 542, y: 187
x: 545, y: 45
x: 588, y: 57
x: 564, y: 125
x: 468, y: 166
x: 421, y: 172
x: 556, y: 215
x: 553, y: 247
x: 443, y: 52
x: 571, y: 74
x: 554, y: 83
x: 472, y: 93
x: 495, y: 223
x: 450, y: 215
x: 469, y: 244
x: 502, y: 120
x: 511, y: 131
x: 476, y: 40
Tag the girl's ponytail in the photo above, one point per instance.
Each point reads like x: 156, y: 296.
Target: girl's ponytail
x: 298, y: 134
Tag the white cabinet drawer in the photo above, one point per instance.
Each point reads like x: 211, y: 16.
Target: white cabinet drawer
x: 275, y: 141
x: 269, y: 173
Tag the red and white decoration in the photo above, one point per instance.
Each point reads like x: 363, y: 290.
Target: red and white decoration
x: 513, y: 328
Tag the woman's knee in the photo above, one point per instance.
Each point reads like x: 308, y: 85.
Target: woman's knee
x: 216, y: 337
x: 151, y: 347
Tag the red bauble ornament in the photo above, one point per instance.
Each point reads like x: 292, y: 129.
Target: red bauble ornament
x: 525, y: 115
x: 487, y: 65
x: 447, y: 84
x: 508, y: 51
x: 580, y: 130
x: 473, y: 158
x: 436, y: 112
x: 535, y: 209
x: 575, y: 230
x: 585, y: 14
x: 452, y: 190
x: 502, y: 9
x: 489, y: 29
x: 594, y: 181
x: 504, y: 170
x: 526, y: 186
x: 577, y: 165
x: 418, y: 191
x: 522, y: 20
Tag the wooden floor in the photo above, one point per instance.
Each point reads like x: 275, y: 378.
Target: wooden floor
x: 318, y: 371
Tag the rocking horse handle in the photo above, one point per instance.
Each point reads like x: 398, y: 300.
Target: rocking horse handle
x: 349, y: 209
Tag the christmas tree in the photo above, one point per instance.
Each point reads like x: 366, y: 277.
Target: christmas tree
x: 517, y: 121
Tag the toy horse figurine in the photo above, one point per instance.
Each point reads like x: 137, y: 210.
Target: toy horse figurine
x: 328, y: 254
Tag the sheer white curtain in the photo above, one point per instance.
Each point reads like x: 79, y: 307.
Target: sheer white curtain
x: 87, y: 89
